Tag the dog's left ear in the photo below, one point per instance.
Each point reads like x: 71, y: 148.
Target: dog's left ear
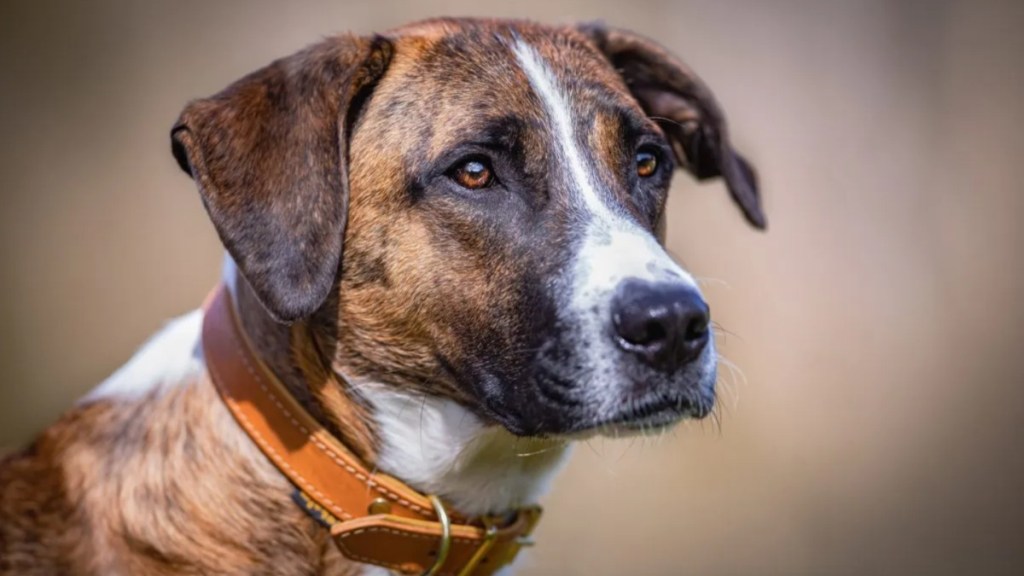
x: 674, y: 97
x: 269, y: 156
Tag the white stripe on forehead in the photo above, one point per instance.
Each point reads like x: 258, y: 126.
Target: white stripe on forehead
x: 613, y: 247
x: 558, y: 110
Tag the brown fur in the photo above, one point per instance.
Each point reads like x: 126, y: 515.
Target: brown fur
x: 152, y: 487
x: 336, y: 143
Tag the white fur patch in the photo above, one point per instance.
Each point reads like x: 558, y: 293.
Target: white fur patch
x: 173, y: 355
x: 441, y: 448
x: 560, y: 113
x: 613, y: 248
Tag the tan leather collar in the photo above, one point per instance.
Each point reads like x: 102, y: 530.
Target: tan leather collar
x: 373, y: 518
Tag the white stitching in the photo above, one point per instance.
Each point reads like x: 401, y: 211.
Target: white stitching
x: 306, y: 484
x: 339, y: 540
x: 400, y: 533
x: 361, y: 477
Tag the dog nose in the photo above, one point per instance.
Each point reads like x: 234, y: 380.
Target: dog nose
x: 664, y: 324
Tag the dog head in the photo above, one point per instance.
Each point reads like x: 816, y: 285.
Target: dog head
x: 474, y: 210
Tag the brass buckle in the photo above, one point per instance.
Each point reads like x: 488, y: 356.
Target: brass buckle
x: 490, y: 535
x: 491, y: 529
x: 446, y: 536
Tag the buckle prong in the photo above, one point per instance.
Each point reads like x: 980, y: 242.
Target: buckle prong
x: 490, y: 534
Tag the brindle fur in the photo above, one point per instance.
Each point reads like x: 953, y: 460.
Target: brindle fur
x: 432, y: 291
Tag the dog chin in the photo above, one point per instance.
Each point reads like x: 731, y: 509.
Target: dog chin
x: 656, y: 412
x: 643, y: 424
x: 650, y: 416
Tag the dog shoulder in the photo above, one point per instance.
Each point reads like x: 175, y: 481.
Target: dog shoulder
x: 142, y: 469
x: 40, y: 513
x: 61, y: 497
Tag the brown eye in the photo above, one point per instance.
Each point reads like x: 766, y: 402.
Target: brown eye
x: 473, y: 174
x: 646, y: 163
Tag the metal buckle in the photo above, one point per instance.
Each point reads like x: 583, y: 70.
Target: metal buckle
x: 491, y: 528
x: 490, y: 534
x: 446, y: 536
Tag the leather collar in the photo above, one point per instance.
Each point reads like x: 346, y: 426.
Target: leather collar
x: 373, y: 518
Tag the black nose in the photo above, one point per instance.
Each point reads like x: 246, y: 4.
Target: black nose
x: 664, y: 324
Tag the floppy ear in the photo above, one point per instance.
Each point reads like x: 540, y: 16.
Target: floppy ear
x: 269, y: 157
x: 674, y: 97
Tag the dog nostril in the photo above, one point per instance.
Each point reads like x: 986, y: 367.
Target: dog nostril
x: 697, y: 326
x: 655, y: 332
x: 640, y: 329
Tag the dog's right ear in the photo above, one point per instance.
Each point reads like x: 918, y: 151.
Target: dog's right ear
x: 674, y: 97
x: 269, y: 156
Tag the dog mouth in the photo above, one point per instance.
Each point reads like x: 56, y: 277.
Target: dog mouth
x: 551, y: 402
x: 649, y: 415
x: 664, y: 411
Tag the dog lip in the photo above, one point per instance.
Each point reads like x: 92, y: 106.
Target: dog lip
x: 659, y: 408
x: 659, y: 412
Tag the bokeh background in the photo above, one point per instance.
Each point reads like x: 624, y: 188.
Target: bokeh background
x: 878, y: 425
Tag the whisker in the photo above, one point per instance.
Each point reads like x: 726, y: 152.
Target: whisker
x: 739, y: 378
x: 716, y: 420
x: 727, y: 388
x: 719, y: 329
x: 624, y: 452
x: 708, y: 281
x: 553, y: 446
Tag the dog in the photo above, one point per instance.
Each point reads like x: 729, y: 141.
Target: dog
x: 445, y: 245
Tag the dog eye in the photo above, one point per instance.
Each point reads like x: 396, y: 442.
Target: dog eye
x: 473, y: 174
x: 646, y: 162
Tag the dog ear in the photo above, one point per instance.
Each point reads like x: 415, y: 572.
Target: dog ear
x: 269, y: 156
x: 674, y: 97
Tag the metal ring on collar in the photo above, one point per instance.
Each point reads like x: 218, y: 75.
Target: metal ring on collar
x: 446, y: 536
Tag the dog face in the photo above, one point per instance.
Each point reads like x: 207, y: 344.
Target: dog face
x: 471, y: 209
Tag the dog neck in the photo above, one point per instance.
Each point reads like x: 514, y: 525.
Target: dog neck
x: 433, y: 444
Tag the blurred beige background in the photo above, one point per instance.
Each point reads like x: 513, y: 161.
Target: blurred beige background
x: 878, y: 323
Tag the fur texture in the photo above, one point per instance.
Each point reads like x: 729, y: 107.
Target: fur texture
x: 454, y: 338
